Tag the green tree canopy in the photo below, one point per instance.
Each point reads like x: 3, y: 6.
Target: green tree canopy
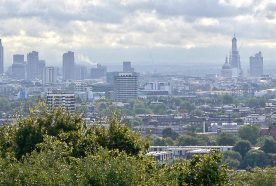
x: 190, y: 140
x: 250, y: 133
x: 242, y: 147
x: 255, y: 158
x: 230, y: 154
x: 227, y: 99
x: 169, y: 133
x: 269, y: 145
x: 227, y: 139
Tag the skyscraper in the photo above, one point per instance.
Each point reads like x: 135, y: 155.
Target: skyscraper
x: 256, y: 65
x: 50, y: 75
x: 126, y: 86
x: 235, y: 58
x: 68, y: 64
x: 41, y: 69
x: 127, y: 67
x: 32, y: 65
x: 98, y: 72
x: 18, y: 67
x: 1, y: 58
x: 80, y: 72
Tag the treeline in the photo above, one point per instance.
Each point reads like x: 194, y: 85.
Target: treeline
x: 250, y: 150
x: 57, y: 148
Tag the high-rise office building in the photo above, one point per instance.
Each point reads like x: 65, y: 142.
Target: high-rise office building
x: 226, y: 71
x: 18, y: 67
x: 80, y: 72
x: 41, y: 69
x: 235, y: 58
x: 98, y: 72
x: 50, y: 75
x: 127, y: 67
x: 110, y: 77
x: 68, y: 65
x: 256, y: 65
x: 62, y: 100
x: 1, y: 58
x: 32, y: 65
x: 126, y: 86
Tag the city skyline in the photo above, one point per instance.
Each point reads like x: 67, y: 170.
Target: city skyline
x: 139, y: 31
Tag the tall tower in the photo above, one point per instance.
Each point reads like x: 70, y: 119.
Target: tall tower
x: 1, y: 58
x: 235, y: 58
x: 32, y: 65
x: 18, y: 67
x: 68, y: 65
x: 256, y: 65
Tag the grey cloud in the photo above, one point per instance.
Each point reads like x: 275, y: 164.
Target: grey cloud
x: 114, y: 12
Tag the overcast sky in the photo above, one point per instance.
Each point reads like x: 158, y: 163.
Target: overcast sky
x: 142, y: 31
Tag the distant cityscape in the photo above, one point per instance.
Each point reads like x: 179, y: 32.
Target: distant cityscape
x: 150, y: 102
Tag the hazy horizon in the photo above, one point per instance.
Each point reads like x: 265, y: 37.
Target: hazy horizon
x: 144, y: 31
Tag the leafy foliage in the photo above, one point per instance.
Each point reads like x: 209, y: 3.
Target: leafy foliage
x: 250, y: 133
x: 242, y: 147
x: 227, y: 139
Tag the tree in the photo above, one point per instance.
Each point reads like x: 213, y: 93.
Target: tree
x: 159, y: 109
x: 250, y: 133
x: 201, y: 170
x: 256, y: 158
x: 169, y: 133
x: 189, y: 140
x: 230, y: 154
x: 255, y: 177
x: 186, y: 106
x: 233, y: 163
x: 121, y: 137
x: 162, y: 141
x: 227, y: 139
x: 256, y: 102
x: 227, y: 99
x: 269, y: 145
x: 232, y: 158
x: 5, y: 105
x: 242, y: 147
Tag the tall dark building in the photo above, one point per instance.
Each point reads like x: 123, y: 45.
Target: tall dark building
x: 1, y: 58
x: 32, y: 65
x: 235, y: 58
x: 18, y: 67
x: 256, y: 65
x: 127, y: 67
x: 68, y: 65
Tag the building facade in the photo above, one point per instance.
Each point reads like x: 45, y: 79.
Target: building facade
x: 32, y: 65
x: 226, y: 71
x: 126, y: 86
x: 127, y: 67
x: 18, y: 67
x: 256, y: 65
x: 63, y: 100
x: 68, y: 64
x: 50, y: 75
x: 98, y: 72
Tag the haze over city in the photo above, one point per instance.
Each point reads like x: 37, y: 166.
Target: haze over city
x: 158, y: 32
